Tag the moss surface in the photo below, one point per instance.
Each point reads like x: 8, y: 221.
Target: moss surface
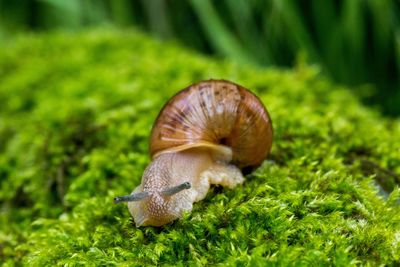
x: 75, y: 115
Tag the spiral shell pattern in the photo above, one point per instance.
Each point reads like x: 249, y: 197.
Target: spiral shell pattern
x: 218, y: 112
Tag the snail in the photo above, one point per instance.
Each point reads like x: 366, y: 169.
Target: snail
x: 204, y: 135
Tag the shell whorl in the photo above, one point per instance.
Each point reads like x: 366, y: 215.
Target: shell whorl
x: 217, y: 112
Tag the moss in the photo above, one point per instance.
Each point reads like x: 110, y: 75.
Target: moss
x: 75, y: 115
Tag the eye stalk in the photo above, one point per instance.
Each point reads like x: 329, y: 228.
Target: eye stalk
x: 176, y: 189
x: 143, y: 195
x: 132, y: 197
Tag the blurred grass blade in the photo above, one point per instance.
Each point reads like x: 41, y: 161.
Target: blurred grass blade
x: 61, y: 13
x: 324, y: 20
x: 219, y: 36
x: 157, y: 15
x: 382, y: 12
x: 353, y: 31
x: 121, y: 11
x: 328, y: 35
x: 385, y: 21
x: 71, y: 6
x: 243, y: 18
x: 397, y: 45
x: 95, y: 12
x: 295, y: 24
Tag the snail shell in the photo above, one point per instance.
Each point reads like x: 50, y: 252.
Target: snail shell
x: 204, y: 135
x: 215, y: 112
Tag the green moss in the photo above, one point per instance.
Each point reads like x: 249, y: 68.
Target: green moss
x: 75, y: 115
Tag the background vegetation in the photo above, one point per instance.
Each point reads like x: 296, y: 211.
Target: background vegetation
x: 75, y: 115
x: 80, y: 87
x: 356, y: 42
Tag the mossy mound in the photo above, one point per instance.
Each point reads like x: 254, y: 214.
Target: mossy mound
x: 75, y: 115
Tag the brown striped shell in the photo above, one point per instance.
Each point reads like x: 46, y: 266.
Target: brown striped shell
x: 215, y: 112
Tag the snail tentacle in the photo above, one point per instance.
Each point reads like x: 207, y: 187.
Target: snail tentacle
x: 176, y: 189
x: 132, y: 197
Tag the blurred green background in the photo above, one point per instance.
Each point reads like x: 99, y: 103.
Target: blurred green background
x: 355, y: 42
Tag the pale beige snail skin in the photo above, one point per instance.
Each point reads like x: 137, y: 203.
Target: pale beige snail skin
x: 204, y: 135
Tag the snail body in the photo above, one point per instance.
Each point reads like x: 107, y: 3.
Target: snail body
x: 204, y: 135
